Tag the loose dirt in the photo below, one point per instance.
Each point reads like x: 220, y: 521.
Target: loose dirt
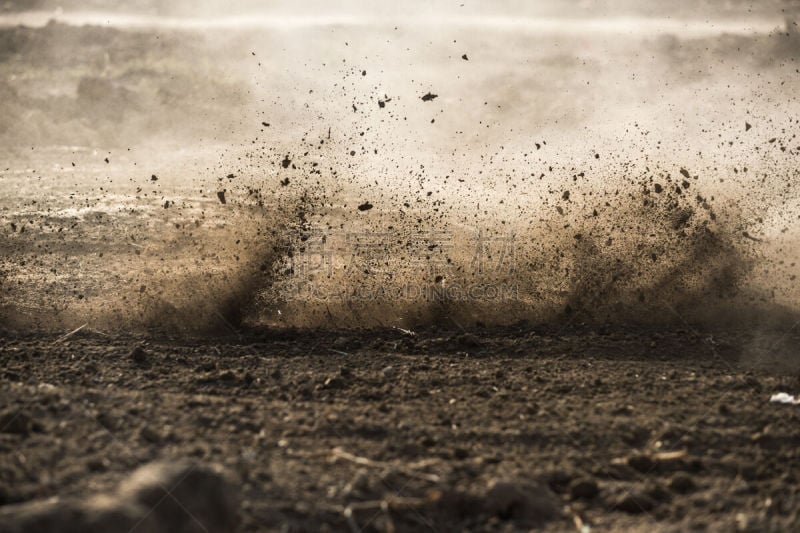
x: 497, y: 430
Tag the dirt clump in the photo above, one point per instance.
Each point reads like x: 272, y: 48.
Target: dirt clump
x: 159, y: 497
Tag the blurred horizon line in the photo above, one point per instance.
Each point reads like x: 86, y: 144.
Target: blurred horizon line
x: 627, y: 24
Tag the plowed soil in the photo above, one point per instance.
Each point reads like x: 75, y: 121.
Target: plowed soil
x: 385, y: 430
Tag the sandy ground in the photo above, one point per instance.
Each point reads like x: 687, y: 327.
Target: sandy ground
x: 610, y: 430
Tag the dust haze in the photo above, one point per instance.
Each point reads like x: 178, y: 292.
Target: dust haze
x: 172, y: 166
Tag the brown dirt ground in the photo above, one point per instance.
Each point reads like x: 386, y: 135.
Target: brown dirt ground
x: 436, y: 417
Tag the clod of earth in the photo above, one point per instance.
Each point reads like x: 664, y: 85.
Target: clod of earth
x: 138, y: 355
x: 527, y: 503
x: 681, y: 483
x: 585, y: 489
x: 15, y: 422
x: 159, y: 497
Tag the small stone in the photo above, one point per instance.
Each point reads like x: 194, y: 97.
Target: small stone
x: 389, y: 372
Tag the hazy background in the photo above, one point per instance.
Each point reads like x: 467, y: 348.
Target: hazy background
x: 643, y: 156
x: 678, y: 8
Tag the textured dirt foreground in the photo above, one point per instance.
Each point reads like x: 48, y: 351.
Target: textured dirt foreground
x: 572, y: 429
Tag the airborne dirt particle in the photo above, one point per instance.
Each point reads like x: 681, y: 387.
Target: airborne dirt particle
x: 221, y: 197
x: 366, y: 206
x: 427, y: 97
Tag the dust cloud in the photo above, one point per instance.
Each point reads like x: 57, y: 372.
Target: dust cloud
x: 171, y: 169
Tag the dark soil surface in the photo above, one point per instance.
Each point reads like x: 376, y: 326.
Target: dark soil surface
x: 389, y: 431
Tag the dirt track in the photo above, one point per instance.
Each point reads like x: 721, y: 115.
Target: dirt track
x: 614, y: 430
